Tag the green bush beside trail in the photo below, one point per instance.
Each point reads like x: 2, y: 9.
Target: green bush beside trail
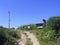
x: 8, y: 37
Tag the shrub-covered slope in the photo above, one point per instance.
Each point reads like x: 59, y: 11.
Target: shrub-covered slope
x: 8, y: 37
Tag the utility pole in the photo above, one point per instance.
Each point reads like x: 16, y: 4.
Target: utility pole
x: 9, y: 19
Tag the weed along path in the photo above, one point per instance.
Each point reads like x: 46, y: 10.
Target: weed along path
x: 33, y: 38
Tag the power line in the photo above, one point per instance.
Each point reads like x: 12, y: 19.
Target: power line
x: 9, y: 19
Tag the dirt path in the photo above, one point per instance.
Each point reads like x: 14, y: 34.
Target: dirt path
x: 23, y: 39
x: 33, y: 38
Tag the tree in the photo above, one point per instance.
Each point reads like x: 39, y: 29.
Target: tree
x: 54, y: 23
x: 44, y: 24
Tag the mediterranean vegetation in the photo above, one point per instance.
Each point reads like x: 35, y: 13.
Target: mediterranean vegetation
x: 48, y: 35
x: 9, y: 36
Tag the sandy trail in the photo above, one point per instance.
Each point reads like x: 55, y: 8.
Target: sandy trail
x: 33, y: 38
x: 23, y: 39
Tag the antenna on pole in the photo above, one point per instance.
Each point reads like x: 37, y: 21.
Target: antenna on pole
x: 9, y: 19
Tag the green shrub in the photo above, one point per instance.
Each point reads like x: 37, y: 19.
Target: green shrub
x: 8, y: 37
x: 53, y: 23
x: 28, y: 42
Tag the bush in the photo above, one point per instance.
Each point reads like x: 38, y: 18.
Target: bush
x: 8, y: 37
x: 54, y: 24
x: 28, y: 42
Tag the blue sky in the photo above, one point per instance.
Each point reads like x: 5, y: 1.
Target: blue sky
x: 27, y: 11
